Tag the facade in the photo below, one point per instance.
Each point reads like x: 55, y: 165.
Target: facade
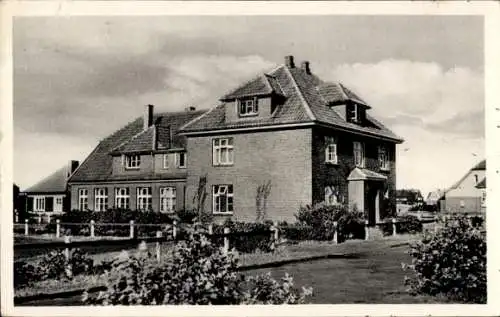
x: 436, y: 199
x: 50, y: 195
x: 312, y: 141
x: 466, y: 195
x: 141, y: 166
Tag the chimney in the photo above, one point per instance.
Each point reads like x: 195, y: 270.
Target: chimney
x: 72, y: 166
x: 190, y: 108
x: 148, y: 116
x: 289, y: 61
x: 305, y: 66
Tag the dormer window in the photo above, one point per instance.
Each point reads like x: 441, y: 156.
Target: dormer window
x: 248, y: 107
x: 353, y: 113
x: 132, y: 161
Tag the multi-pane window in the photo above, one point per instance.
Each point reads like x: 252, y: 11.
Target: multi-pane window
x: 144, y: 198
x: 223, y: 151
x: 83, y: 199
x: 39, y: 203
x: 222, y: 198
x: 330, y: 150
x: 166, y: 160
x: 331, y: 195
x: 359, y: 155
x: 352, y: 113
x: 383, y: 158
x: 59, y: 200
x: 180, y: 160
x: 101, y: 199
x: 167, y: 199
x: 122, y: 198
x: 249, y: 107
x: 132, y: 161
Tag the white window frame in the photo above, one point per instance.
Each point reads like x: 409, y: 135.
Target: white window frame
x: 144, y: 198
x: 331, y: 150
x: 83, y: 199
x: 132, y: 162
x: 331, y: 196
x: 222, y: 151
x: 122, y: 197
x: 178, y: 159
x: 355, y: 113
x: 223, y: 191
x: 39, y: 203
x: 166, y: 161
x: 359, y: 152
x: 383, y: 158
x: 250, y: 107
x: 168, y: 199
x: 101, y: 199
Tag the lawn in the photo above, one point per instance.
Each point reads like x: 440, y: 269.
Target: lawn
x: 375, y: 277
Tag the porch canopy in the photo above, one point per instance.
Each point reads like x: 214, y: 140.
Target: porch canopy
x: 362, y: 174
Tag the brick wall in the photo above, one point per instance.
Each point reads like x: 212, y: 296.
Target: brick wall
x: 155, y: 188
x: 325, y: 174
x: 280, y: 156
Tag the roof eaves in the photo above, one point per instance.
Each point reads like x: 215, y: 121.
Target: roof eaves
x: 301, y: 96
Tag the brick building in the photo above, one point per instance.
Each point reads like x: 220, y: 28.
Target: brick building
x: 311, y: 140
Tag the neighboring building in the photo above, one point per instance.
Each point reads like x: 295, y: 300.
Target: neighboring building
x: 482, y: 187
x: 314, y: 140
x: 464, y: 195
x: 141, y: 166
x: 436, y: 199
x: 409, y: 196
x: 50, y: 195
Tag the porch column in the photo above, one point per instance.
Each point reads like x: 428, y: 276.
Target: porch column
x: 377, y: 206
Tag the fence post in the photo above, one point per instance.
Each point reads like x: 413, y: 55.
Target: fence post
x: 26, y: 228
x: 67, y: 240
x: 367, y: 235
x: 17, y: 217
x: 226, y: 240
x: 274, y: 235
x: 174, y: 229
x: 335, y: 232
x: 394, y: 230
x: 92, y: 228
x: 210, y: 229
x: 58, y: 228
x: 39, y: 218
x: 131, y: 229
x: 158, y: 245
x: 48, y: 218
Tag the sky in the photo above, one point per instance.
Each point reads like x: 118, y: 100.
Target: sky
x: 78, y: 79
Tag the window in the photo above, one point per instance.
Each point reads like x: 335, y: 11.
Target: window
x: 476, y: 178
x: 331, y: 196
x: 222, y: 151
x: 248, y: 107
x: 132, y: 161
x: 222, y: 198
x: 359, y: 155
x: 144, y: 198
x: 352, y: 113
x: 383, y: 158
x: 167, y: 199
x: 59, y: 200
x: 83, y: 199
x: 39, y: 204
x: 180, y: 160
x: 101, y: 199
x: 166, y: 161
x: 122, y: 198
x: 330, y: 150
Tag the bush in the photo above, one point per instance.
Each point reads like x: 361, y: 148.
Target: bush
x: 404, y: 224
x: 25, y: 274
x: 321, y: 218
x: 295, y: 231
x: 248, y: 237
x: 450, y: 262
x: 197, y: 273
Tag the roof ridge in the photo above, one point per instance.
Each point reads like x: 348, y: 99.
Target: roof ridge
x: 301, y: 96
x: 198, y: 117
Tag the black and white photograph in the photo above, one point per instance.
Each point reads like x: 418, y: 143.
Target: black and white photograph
x: 248, y: 159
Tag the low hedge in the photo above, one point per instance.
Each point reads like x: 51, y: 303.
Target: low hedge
x: 248, y: 237
x: 404, y: 224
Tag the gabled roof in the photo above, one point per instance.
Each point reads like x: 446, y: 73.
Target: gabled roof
x: 481, y: 184
x: 261, y: 86
x: 130, y: 138
x: 481, y: 166
x: 365, y: 174
x: 54, y: 183
x: 478, y: 167
x: 307, y: 100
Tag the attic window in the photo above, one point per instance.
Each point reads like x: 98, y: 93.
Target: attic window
x: 353, y: 113
x: 248, y: 107
x: 132, y: 161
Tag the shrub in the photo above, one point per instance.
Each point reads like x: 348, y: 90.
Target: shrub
x: 25, y: 274
x: 450, y: 262
x: 248, y: 236
x: 295, y: 231
x: 321, y: 218
x: 404, y: 224
x: 197, y: 273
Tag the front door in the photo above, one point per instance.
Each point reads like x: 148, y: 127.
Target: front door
x: 372, y: 204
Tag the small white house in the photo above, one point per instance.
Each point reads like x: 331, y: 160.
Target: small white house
x: 50, y: 195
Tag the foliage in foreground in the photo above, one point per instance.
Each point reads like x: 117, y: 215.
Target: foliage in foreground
x: 198, y: 273
x: 450, y: 262
x: 404, y: 224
